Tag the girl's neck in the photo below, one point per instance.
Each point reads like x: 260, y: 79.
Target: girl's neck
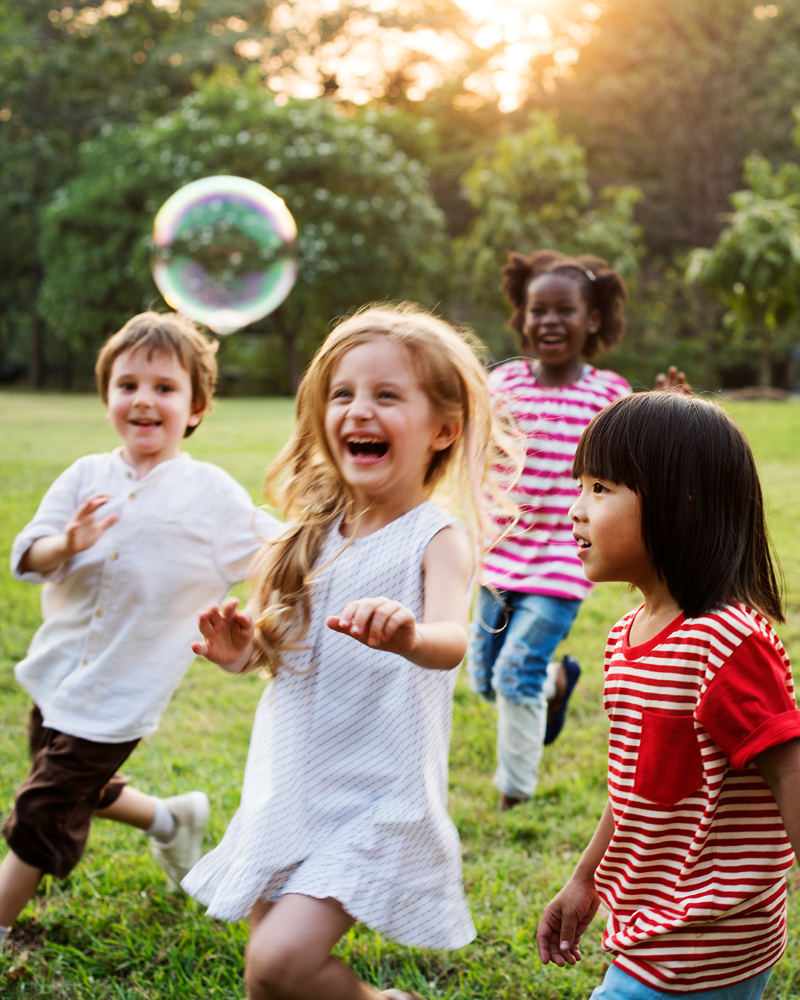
x: 660, y: 608
x: 372, y: 514
x: 550, y: 376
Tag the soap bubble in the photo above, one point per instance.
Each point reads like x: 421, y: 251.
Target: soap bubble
x: 224, y: 252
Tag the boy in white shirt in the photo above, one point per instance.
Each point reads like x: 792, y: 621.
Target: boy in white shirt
x: 131, y: 546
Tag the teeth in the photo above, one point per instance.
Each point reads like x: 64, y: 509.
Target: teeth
x: 365, y: 440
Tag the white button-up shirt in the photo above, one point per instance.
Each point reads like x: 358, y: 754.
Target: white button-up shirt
x: 121, y: 616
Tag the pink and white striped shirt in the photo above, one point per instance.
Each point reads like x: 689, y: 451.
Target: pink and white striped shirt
x: 695, y: 873
x: 540, y: 555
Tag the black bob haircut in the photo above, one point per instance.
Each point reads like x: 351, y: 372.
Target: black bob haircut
x: 702, y: 509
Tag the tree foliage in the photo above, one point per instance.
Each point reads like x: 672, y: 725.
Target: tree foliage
x: 532, y: 192
x: 754, y: 266
x: 369, y: 228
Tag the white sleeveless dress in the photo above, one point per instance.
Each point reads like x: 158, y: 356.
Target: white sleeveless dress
x: 345, y: 789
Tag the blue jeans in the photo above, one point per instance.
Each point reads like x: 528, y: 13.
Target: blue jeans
x: 512, y: 638
x: 618, y: 985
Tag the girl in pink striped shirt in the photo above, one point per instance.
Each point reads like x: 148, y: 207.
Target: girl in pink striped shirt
x: 532, y: 582
x: 691, y: 854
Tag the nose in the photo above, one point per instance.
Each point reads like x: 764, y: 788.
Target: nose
x: 361, y: 407
x: 577, y: 511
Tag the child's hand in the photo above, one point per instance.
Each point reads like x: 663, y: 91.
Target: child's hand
x: 378, y: 623
x: 564, y: 920
x: 228, y: 633
x: 83, y: 530
x: 673, y: 381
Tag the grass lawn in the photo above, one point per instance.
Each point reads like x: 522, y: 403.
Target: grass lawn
x: 113, y: 930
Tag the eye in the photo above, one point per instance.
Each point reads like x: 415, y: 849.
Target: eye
x: 127, y: 386
x: 340, y: 394
x: 387, y: 394
x: 165, y: 388
x: 599, y: 488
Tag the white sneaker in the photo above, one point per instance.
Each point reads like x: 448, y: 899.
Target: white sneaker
x: 183, y: 852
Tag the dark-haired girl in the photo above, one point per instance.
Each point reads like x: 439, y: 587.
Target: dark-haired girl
x: 693, y: 848
x: 532, y: 582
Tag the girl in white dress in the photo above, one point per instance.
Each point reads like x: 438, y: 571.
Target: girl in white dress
x: 359, y: 611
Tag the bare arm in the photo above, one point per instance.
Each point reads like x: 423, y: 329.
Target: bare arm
x: 568, y: 914
x: 439, y: 641
x: 780, y: 768
x: 227, y: 635
x: 46, y: 554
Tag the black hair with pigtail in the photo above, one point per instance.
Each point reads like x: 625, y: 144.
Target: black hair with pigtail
x: 602, y: 288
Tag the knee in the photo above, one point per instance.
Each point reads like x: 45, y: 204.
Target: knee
x: 275, y: 973
x: 518, y: 675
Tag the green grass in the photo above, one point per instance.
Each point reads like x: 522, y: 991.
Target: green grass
x: 112, y: 930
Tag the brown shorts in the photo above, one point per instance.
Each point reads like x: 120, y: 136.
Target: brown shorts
x: 70, y: 778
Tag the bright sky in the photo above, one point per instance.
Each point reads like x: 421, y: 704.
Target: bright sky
x: 522, y: 29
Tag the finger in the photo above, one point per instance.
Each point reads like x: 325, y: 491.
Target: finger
x: 335, y: 622
x: 380, y: 619
x: 213, y: 616
x: 672, y: 374
x: 545, y: 935
x: 362, y: 617
x: 90, y: 506
x: 567, y: 932
x: 346, y: 617
x: 399, y: 619
x: 661, y: 381
x: 228, y: 608
x: 200, y: 648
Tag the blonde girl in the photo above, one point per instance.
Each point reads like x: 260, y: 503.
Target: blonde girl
x: 359, y: 611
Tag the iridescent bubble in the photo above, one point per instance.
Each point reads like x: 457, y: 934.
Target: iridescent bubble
x: 224, y: 252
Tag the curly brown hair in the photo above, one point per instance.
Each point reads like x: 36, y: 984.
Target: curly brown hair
x: 602, y: 289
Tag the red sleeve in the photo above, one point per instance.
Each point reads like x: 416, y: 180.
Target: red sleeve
x: 747, y: 708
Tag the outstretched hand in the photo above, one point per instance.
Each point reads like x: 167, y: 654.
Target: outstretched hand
x: 83, y: 530
x: 673, y: 381
x: 378, y: 623
x: 227, y: 633
x: 563, y: 922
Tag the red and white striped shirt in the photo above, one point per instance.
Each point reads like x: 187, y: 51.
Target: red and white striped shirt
x: 694, y: 875
x: 540, y: 555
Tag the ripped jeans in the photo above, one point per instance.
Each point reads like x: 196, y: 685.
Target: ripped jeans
x: 512, y: 640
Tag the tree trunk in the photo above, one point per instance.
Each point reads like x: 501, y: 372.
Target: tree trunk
x: 36, y: 364
x: 766, y: 358
x: 289, y: 338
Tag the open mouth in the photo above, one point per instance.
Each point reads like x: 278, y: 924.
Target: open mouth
x: 583, y: 544
x: 367, y: 447
x: 146, y: 423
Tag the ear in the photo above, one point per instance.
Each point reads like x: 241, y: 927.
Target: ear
x: 446, y: 436
x: 197, y: 415
x: 594, y: 321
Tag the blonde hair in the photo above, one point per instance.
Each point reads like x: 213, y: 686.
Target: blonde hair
x: 173, y: 334
x: 305, y: 482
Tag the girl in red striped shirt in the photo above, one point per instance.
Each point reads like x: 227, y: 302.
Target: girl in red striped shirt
x: 691, y: 854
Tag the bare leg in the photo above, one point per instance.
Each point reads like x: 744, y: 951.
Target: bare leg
x: 289, y: 955
x: 18, y: 882
x: 257, y: 914
x: 132, y: 807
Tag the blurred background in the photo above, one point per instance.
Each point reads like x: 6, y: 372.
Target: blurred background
x: 415, y: 142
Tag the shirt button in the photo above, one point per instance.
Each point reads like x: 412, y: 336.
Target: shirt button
x: 84, y: 662
x: 113, y: 556
x: 132, y: 496
x: 99, y: 612
x: 128, y: 475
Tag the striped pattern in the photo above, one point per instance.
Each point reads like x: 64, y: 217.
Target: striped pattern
x: 694, y: 875
x: 540, y: 556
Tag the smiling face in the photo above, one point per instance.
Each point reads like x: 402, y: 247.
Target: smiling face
x: 150, y: 405
x: 607, y: 525
x: 557, y: 320
x: 380, y: 426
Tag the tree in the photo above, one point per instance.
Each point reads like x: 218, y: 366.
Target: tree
x: 369, y: 228
x: 532, y: 192
x: 754, y: 266
x: 672, y: 96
